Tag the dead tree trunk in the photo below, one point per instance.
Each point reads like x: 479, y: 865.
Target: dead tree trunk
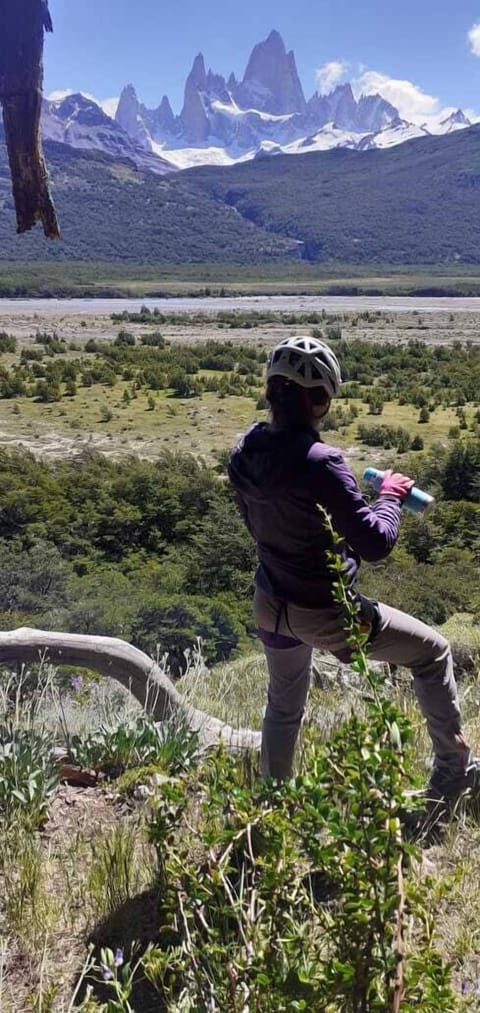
x: 22, y: 23
x: 130, y: 667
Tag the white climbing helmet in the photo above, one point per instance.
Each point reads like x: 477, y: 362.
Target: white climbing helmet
x: 308, y: 362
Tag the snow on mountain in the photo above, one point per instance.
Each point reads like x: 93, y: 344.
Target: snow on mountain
x: 397, y: 133
x: 78, y: 121
x: 223, y: 121
x: 457, y: 120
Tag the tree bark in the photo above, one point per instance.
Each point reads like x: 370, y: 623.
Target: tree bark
x: 130, y: 667
x: 22, y: 24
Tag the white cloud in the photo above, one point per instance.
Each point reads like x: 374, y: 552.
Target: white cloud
x: 57, y: 96
x: 412, y: 103
x: 109, y: 105
x: 474, y: 39
x: 329, y: 74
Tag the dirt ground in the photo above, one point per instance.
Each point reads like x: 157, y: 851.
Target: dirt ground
x: 442, y: 327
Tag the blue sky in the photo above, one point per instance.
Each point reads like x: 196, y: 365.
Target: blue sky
x: 100, y: 45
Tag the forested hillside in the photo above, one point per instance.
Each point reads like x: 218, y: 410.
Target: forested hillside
x: 111, y: 211
x: 413, y: 204
x: 417, y: 203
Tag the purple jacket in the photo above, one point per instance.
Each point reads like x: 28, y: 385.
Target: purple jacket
x: 280, y: 476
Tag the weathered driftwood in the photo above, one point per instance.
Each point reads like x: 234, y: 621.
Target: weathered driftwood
x: 130, y: 667
x: 22, y: 24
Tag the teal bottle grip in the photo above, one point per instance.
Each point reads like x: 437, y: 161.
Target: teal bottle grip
x: 417, y: 500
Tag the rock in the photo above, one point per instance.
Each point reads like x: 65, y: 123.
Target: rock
x: 217, y: 88
x: 374, y: 113
x: 158, y: 779
x: 129, y: 118
x: 142, y: 792
x: 80, y: 122
x: 77, y: 775
x: 193, y: 116
x: 328, y: 672
x: 152, y: 786
x: 164, y: 120
x: 271, y: 83
x: 265, y: 113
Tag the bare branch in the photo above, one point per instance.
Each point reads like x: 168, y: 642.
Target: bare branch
x: 132, y: 668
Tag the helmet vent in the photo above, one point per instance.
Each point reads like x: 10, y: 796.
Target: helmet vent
x: 307, y: 361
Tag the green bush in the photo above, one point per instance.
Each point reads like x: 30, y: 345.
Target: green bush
x: 142, y: 741
x: 244, y: 908
x: 7, y: 342
x: 172, y: 624
x: 28, y: 776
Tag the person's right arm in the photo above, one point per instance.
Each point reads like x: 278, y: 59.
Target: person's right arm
x: 371, y: 531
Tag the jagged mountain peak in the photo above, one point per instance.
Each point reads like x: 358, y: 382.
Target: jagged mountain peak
x: 457, y: 117
x: 344, y: 90
x: 129, y: 117
x: 78, y: 108
x: 224, y: 121
x: 77, y: 120
x: 275, y: 38
x: 198, y: 74
x: 165, y: 107
x: 271, y: 82
x: 193, y: 116
x: 129, y: 91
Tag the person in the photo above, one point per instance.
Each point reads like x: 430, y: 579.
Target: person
x: 281, y: 472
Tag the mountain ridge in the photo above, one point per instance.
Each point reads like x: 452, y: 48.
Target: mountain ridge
x: 224, y: 121
x: 415, y: 203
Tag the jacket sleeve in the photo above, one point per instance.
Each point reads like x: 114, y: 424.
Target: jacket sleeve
x: 371, y: 531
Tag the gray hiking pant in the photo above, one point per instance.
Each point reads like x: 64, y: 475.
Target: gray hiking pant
x: 397, y: 638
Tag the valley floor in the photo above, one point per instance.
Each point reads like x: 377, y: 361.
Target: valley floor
x: 204, y: 425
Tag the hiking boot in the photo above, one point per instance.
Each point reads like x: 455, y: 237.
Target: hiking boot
x: 448, y: 785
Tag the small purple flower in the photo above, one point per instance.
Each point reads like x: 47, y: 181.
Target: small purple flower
x: 118, y: 961
x: 464, y: 987
x: 76, y: 683
x: 106, y: 972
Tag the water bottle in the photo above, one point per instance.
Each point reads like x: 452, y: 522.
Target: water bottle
x: 417, y: 501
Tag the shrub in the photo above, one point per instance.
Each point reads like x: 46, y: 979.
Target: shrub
x: 124, y: 338
x: 154, y: 340
x: 48, y: 390
x: 27, y: 774
x: 243, y: 909
x: 142, y: 741
x: 7, y: 342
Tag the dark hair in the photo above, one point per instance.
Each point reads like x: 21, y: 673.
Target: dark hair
x: 290, y: 403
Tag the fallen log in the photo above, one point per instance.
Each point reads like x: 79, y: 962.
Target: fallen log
x: 131, y: 668
x: 22, y: 24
